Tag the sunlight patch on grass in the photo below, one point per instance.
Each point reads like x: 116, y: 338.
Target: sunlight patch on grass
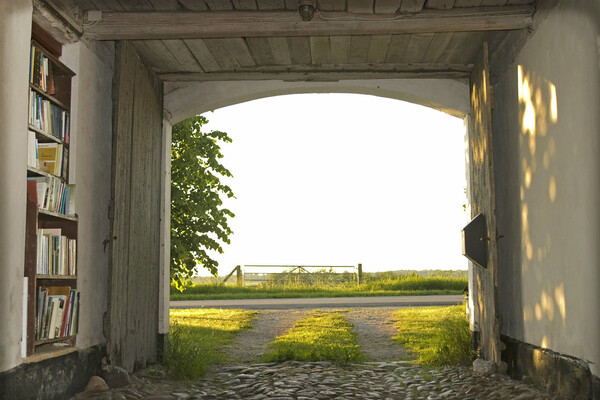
x: 322, y: 336
x: 196, y: 336
x: 436, y: 335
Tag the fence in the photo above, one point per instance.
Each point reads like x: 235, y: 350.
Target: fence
x: 307, y: 274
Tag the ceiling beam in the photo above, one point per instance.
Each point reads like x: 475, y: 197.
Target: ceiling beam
x: 229, y: 24
x: 327, y: 73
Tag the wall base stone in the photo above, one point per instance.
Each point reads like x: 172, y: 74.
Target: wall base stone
x: 568, y: 377
x: 56, y: 378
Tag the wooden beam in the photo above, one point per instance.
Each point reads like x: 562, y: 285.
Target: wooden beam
x: 228, y: 24
x: 325, y: 73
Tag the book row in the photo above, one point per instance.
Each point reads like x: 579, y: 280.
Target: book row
x: 57, y: 312
x: 56, y: 254
x: 40, y: 70
x: 52, y: 194
x: 52, y: 158
x: 48, y: 117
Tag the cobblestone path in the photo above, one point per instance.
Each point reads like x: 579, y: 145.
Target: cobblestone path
x: 322, y: 381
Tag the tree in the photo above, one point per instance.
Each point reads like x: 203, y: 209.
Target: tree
x: 199, y: 222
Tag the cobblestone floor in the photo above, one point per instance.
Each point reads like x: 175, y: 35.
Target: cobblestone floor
x: 323, y: 381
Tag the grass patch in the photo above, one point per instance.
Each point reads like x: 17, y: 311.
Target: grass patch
x: 376, y: 284
x: 436, y: 335
x: 322, y: 336
x: 197, y: 335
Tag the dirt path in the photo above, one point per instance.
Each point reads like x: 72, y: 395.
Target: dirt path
x: 375, y: 330
x: 250, y: 345
x: 373, y: 325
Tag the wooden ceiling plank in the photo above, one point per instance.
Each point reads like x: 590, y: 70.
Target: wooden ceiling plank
x: 260, y: 50
x: 378, y: 48
x: 86, y: 5
x: 493, y: 3
x: 218, y: 48
x: 270, y: 5
x: 194, y: 5
x: 412, y: 6
x: 470, y: 48
x: 153, y: 52
x: 299, y: 49
x: 219, y: 5
x: 319, y: 50
x: 440, y: 4
x: 339, y: 49
x: 202, y: 54
x: 280, y: 50
x: 359, y: 48
x: 387, y: 6
x: 183, y: 55
x: 397, y: 47
x: 454, y: 46
x: 136, y: 5
x: 329, y: 72
x: 417, y: 47
x: 519, y: 2
x: 467, y: 3
x: 245, y: 5
x: 177, y: 25
x: 291, y: 4
x: 331, y: 5
x: 108, y: 5
x: 437, y: 46
x: 239, y: 49
x: 360, y: 6
x: 166, y: 5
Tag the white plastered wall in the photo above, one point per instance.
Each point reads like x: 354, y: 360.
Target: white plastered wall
x: 546, y: 148
x: 90, y: 171
x: 15, y: 33
x: 181, y: 102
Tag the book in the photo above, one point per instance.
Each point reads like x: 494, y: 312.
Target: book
x: 32, y: 149
x: 48, y: 154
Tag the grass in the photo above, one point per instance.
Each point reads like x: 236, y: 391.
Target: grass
x: 377, y: 284
x: 436, y: 335
x: 197, y: 335
x: 322, y: 336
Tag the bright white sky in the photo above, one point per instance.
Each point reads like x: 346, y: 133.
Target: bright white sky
x: 338, y: 179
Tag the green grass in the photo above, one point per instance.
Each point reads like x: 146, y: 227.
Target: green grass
x: 322, y: 336
x: 197, y: 335
x: 378, y: 284
x: 436, y: 335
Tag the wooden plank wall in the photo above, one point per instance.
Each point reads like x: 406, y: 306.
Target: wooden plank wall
x: 483, y: 201
x: 132, y: 324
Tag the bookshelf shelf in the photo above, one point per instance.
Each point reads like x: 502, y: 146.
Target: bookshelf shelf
x: 57, y: 215
x: 50, y: 237
x: 44, y: 136
x: 53, y: 99
x: 56, y: 277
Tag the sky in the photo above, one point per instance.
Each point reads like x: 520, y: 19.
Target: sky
x: 341, y: 179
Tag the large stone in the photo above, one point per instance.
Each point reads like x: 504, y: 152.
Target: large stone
x: 96, y: 384
x: 483, y: 367
x: 116, y: 377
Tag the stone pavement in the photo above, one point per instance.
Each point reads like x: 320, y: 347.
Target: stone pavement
x: 322, y: 381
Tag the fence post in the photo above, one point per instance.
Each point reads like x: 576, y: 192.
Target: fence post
x: 359, y: 274
x: 239, y: 275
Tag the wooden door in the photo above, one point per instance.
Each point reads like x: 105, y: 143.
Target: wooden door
x: 482, y: 200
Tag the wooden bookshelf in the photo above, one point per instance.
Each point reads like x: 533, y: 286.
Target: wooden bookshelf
x: 50, y: 236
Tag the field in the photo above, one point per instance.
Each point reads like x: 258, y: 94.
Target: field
x: 406, y: 283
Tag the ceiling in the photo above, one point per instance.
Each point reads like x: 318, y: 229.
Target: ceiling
x: 215, y: 40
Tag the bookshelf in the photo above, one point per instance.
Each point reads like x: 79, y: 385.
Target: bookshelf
x: 52, y: 298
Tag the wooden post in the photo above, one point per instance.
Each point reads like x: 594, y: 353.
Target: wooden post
x: 239, y: 275
x: 359, y: 274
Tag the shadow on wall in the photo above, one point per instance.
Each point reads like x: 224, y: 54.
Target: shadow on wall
x: 538, y: 111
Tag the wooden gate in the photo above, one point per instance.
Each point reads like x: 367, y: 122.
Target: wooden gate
x: 483, y: 201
